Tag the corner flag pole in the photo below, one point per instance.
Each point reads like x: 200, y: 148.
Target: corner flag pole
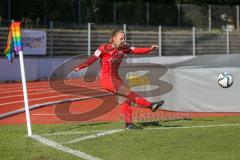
x: 25, y: 95
x: 17, y: 40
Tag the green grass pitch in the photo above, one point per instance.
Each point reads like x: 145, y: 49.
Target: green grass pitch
x: 196, y: 139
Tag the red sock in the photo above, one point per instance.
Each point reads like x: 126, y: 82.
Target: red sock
x: 126, y: 112
x: 139, y: 100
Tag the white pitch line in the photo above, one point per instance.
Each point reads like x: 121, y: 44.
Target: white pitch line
x: 93, y: 136
x: 60, y: 147
x: 109, y: 132
x: 69, y: 133
x: 189, y: 127
x: 104, y: 133
x: 162, y: 128
x: 65, y: 133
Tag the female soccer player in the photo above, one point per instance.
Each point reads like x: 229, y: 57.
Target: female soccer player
x: 111, y: 55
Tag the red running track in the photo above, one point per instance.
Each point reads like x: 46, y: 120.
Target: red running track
x: 11, y: 99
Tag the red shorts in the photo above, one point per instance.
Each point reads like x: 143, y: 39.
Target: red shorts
x: 111, y: 83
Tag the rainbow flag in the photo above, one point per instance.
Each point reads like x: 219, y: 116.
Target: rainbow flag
x: 8, y: 51
x: 14, y: 41
x: 16, y: 35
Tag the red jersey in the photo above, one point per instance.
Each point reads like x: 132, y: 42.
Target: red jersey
x: 110, y: 60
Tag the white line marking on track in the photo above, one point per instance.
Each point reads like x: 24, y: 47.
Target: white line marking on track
x: 52, y: 114
x: 75, y: 91
x: 47, y: 97
x: 36, y: 85
x: 60, y: 147
x: 39, y: 89
x: 93, y: 136
x: 2, y: 104
x: 35, y: 106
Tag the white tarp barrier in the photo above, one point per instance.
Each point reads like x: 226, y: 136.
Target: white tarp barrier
x: 194, y: 84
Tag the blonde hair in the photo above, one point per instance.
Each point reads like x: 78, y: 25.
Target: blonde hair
x: 114, y: 33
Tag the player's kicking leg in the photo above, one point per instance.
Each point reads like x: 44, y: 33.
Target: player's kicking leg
x: 155, y: 106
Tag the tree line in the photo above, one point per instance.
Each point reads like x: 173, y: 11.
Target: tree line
x: 138, y: 12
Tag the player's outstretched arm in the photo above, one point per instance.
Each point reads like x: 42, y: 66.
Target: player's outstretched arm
x: 143, y: 50
x: 85, y: 64
x: 153, y: 47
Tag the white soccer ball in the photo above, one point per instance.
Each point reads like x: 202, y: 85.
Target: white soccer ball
x: 225, y: 80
